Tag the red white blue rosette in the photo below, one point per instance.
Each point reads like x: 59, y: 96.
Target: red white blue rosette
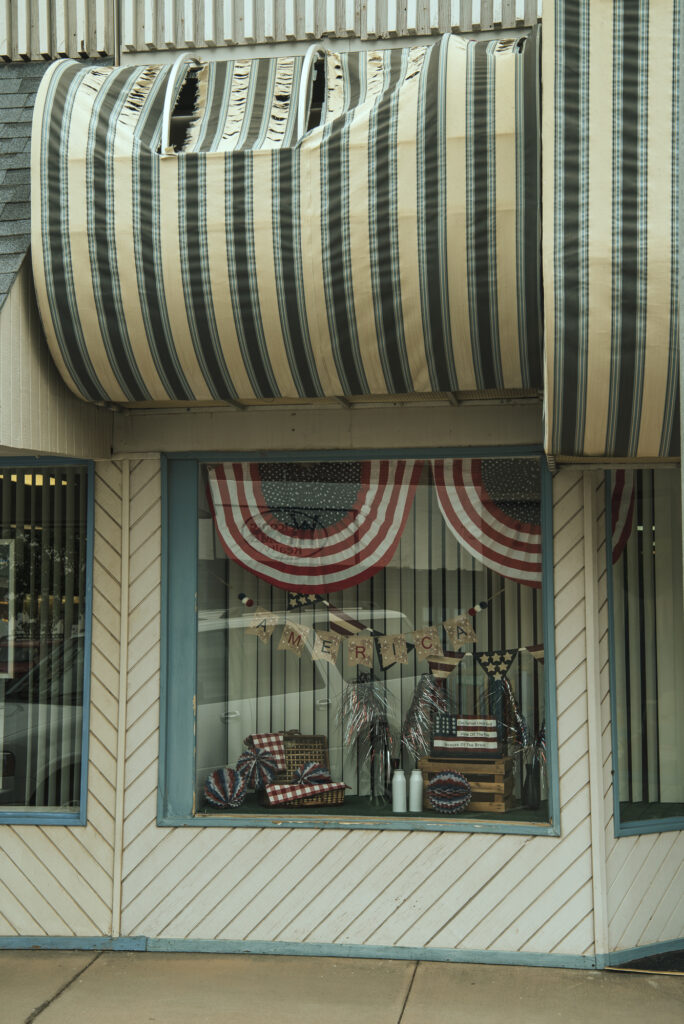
x: 449, y: 792
x: 258, y: 767
x: 311, y: 773
x: 225, y: 788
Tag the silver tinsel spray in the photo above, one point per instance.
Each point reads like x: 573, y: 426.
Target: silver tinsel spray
x: 364, y: 714
x: 428, y: 698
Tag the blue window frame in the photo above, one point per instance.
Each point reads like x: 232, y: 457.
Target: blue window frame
x: 46, y: 565
x: 645, y: 603
x: 189, y: 623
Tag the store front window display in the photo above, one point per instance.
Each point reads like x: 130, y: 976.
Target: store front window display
x: 360, y: 619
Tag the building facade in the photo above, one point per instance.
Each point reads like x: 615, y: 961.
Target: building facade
x: 249, y: 487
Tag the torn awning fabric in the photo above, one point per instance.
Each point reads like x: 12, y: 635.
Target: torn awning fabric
x: 393, y: 249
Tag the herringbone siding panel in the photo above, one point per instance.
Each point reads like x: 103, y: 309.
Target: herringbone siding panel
x: 56, y: 880
x: 469, y: 891
x: 645, y: 873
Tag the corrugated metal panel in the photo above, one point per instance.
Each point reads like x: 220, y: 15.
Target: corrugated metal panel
x: 37, y: 411
x: 58, y: 881
x: 35, y: 29
x: 495, y: 892
x: 645, y: 873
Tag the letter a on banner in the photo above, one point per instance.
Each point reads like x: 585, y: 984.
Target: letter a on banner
x: 261, y: 624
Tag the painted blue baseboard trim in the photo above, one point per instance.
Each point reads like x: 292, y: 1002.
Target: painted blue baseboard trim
x: 623, y: 956
x: 142, y: 944
x: 134, y: 943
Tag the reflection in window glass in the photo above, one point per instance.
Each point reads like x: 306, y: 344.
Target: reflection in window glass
x: 372, y: 616
x: 42, y: 613
x: 648, y: 643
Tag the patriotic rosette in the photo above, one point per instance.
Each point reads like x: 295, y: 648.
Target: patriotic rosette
x: 449, y: 792
x: 258, y: 767
x: 312, y: 772
x: 224, y: 788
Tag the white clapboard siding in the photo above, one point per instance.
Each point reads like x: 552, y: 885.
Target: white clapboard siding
x: 645, y: 874
x: 55, y: 880
x: 38, y: 413
x: 43, y: 29
x: 379, y: 888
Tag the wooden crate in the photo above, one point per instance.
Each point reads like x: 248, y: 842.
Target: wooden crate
x: 491, y: 781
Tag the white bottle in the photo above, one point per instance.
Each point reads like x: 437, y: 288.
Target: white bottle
x: 399, y: 792
x: 416, y: 791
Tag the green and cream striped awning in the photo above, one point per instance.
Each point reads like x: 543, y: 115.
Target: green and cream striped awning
x: 393, y: 249
x: 611, y: 246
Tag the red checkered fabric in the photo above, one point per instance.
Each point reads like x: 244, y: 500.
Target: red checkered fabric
x: 272, y: 743
x: 283, y: 793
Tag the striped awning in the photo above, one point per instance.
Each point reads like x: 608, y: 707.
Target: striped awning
x: 610, y: 144
x: 393, y: 249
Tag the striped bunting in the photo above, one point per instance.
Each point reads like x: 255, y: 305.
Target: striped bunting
x: 325, y: 529
x: 501, y: 530
x: 392, y: 250
x: 610, y: 144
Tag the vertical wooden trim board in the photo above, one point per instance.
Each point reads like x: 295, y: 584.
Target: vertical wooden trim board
x: 645, y: 873
x: 56, y: 880
x: 460, y: 891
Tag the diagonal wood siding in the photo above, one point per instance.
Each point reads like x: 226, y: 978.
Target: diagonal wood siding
x: 56, y: 880
x: 645, y: 873
x: 464, y: 891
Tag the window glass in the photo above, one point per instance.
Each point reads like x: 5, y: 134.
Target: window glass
x: 366, y: 617
x: 42, y: 628
x: 648, y: 643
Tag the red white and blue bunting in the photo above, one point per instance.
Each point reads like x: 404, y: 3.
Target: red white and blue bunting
x: 496, y: 532
x: 312, y: 527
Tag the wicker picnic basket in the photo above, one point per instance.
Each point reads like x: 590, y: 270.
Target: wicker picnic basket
x: 298, y: 750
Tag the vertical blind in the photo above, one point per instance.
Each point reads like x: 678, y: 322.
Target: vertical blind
x: 43, y: 527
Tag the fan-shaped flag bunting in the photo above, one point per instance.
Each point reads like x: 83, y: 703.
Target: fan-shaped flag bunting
x: 492, y: 507
x: 313, y: 527
x: 622, y: 509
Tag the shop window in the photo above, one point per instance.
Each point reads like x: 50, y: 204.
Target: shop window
x: 352, y: 619
x: 647, y: 648
x: 43, y: 617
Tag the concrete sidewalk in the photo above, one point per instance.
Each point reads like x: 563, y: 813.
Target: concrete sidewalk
x: 185, y: 988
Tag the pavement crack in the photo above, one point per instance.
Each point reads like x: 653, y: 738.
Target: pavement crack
x: 413, y: 978
x: 48, y: 1002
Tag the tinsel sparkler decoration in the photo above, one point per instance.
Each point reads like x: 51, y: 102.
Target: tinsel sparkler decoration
x: 365, y: 703
x: 428, y: 698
